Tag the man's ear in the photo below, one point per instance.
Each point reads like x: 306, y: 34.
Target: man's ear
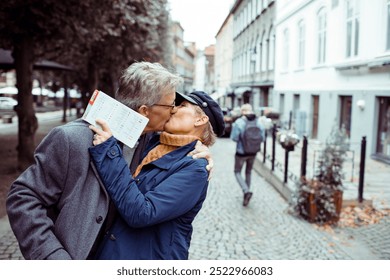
x: 201, y: 120
x: 144, y: 110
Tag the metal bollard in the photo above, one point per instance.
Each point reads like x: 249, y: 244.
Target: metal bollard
x: 273, y: 147
x: 362, y: 168
x: 304, y: 157
x: 265, y: 147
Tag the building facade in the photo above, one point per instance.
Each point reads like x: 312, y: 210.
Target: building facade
x: 253, y: 52
x: 183, y: 57
x: 223, y: 62
x: 332, y: 69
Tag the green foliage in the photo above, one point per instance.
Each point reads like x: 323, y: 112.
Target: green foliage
x: 106, y: 34
x: 98, y: 38
x: 330, y: 163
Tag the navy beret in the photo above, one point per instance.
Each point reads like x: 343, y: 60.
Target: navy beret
x: 209, y: 106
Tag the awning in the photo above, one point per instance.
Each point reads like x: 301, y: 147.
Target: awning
x: 217, y: 95
x: 42, y: 91
x: 241, y: 90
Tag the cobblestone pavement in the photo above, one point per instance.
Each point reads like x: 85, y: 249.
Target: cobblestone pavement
x: 264, y: 230
x: 224, y: 229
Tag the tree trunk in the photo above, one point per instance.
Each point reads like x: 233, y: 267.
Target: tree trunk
x: 65, y: 100
x: 24, y: 59
x: 91, y: 83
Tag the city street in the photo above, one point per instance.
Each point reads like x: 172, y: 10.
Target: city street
x: 224, y: 229
x: 264, y: 230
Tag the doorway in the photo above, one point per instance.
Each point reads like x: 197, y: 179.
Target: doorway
x: 383, y: 136
x: 315, y: 114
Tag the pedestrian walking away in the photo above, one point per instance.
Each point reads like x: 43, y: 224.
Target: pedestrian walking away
x: 249, y: 133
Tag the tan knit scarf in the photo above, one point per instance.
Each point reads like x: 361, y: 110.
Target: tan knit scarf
x: 168, y: 143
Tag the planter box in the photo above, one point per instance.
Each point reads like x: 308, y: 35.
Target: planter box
x: 311, y: 209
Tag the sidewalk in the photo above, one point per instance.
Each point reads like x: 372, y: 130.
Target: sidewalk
x: 264, y: 230
x: 225, y: 230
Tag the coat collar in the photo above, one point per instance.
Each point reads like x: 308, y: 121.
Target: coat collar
x: 168, y: 160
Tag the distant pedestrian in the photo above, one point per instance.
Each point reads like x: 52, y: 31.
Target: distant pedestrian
x: 248, y: 132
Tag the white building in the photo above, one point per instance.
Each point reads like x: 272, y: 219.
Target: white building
x: 223, y: 62
x: 200, y: 71
x: 332, y: 66
x: 253, y: 52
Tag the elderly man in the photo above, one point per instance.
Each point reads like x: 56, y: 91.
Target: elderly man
x: 58, y: 208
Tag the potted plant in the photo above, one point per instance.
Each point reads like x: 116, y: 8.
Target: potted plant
x: 319, y: 199
x: 287, y: 139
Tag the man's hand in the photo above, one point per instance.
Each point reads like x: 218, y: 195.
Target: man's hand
x: 101, y: 135
x: 202, y: 151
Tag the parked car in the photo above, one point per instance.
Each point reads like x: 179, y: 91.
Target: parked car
x: 7, y: 103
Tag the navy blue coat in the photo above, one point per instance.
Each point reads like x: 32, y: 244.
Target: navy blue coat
x: 156, y: 208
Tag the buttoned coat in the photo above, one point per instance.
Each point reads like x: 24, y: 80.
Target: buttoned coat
x: 57, y: 206
x: 156, y: 208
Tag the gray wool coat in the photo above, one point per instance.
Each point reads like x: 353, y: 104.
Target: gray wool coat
x: 57, y: 206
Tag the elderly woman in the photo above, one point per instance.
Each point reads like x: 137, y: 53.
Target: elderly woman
x: 158, y: 203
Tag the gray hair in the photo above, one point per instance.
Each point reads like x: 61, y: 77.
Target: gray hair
x: 143, y: 83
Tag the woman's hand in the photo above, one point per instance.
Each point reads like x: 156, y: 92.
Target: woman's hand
x: 101, y: 135
x: 202, y: 151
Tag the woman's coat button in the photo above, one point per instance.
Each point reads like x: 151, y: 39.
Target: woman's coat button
x: 99, y: 219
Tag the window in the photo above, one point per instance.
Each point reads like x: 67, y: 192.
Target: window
x: 253, y: 9
x: 249, y: 13
x: 388, y: 26
x: 296, y: 105
x: 383, y: 137
x: 271, y: 56
x: 321, y: 36
x: 285, y: 49
x: 258, y: 7
x: 301, y: 44
x: 345, y: 113
x: 258, y: 54
x: 352, y: 31
x: 253, y: 58
x: 281, y: 104
x: 264, y: 53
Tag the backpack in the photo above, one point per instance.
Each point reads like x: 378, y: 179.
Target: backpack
x: 251, y: 137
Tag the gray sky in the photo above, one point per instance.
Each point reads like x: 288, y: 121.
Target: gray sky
x: 200, y: 19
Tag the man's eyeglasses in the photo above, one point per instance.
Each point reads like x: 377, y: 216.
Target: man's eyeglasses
x: 172, y: 106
